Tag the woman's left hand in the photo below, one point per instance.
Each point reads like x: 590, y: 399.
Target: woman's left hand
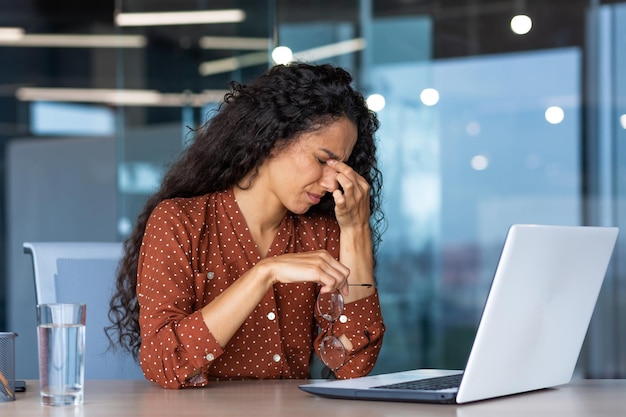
x: 352, y: 205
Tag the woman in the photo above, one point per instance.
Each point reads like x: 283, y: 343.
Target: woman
x: 275, y: 202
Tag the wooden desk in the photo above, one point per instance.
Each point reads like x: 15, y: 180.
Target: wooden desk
x: 589, y: 398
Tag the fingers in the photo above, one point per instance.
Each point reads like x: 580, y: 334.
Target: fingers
x: 314, y: 266
x: 352, y: 197
x: 347, y: 177
x: 333, y: 274
x: 350, y: 182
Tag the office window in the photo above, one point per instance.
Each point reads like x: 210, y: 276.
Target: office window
x: 482, y: 125
x: 458, y: 172
x: 63, y: 119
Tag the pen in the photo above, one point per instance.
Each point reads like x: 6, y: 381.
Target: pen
x: 7, y: 388
x: 360, y: 285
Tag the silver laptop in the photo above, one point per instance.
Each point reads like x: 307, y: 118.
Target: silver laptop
x: 532, y: 328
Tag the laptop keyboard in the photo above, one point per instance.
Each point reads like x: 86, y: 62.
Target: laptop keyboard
x: 429, y: 384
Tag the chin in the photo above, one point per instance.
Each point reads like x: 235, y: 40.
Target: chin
x: 300, y: 208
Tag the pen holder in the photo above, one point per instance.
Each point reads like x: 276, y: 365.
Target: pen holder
x: 7, y: 366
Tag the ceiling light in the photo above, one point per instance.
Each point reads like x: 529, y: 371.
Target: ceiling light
x: 219, y: 66
x: 180, y: 18
x: 375, y: 102
x: 521, y: 24
x: 238, y: 43
x: 554, y: 115
x: 76, y: 41
x: 479, y: 162
x: 331, y: 50
x: 314, y: 54
x: 10, y: 33
x: 282, y: 55
x: 429, y: 96
x: 117, y: 97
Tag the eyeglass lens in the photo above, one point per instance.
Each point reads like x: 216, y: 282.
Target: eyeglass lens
x: 332, y: 351
x: 330, y: 305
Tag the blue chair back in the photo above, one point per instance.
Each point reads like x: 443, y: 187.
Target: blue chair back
x: 84, y: 272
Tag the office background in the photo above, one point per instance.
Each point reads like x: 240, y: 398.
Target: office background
x: 481, y: 127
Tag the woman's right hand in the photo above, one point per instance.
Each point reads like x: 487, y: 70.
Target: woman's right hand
x: 225, y: 314
x: 314, y: 266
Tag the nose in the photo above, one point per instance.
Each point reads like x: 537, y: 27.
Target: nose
x: 329, y: 179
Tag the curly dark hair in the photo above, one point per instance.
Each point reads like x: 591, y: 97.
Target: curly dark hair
x: 253, y: 120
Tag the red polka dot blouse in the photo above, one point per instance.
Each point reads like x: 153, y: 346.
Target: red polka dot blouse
x: 193, y: 249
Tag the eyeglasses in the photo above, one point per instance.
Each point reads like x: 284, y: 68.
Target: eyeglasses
x: 330, y: 307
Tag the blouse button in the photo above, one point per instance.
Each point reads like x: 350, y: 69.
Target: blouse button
x: 276, y: 357
x: 271, y: 315
x: 210, y: 275
x: 343, y: 318
x: 210, y: 357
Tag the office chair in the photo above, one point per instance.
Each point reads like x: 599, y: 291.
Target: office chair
x: 81, y: 272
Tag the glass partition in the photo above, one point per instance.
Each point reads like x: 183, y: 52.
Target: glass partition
x: 617, y: 367
x: 461, y: 167
x: 485, y: 122
x: 193, y: 50
x: 480, y: 129
x: 605, y: 350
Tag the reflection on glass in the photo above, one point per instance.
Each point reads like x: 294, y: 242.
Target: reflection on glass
x: 376, y: 102
x: 554, y: 115
x: 429, y: 96
x: 282, y: 55
x: 480, y: 162
x: 70, y: 119
x: 521, y: 24
x: 457, y: 172
x: 457, y: 175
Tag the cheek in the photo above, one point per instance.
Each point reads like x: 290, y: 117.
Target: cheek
x: 306, y: 172
x: 297, y: 170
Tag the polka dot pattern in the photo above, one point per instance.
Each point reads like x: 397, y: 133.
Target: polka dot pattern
x: 195, y: 248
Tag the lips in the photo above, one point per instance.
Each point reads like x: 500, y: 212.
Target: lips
x: 315, y: 198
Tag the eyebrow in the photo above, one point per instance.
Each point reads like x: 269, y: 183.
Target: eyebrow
x: 331, y: 154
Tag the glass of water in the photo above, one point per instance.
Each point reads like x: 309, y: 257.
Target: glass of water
x: 61, y: 337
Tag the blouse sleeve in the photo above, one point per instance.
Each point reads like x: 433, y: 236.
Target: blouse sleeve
x: 176, y: 344
x: 362, y: 323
